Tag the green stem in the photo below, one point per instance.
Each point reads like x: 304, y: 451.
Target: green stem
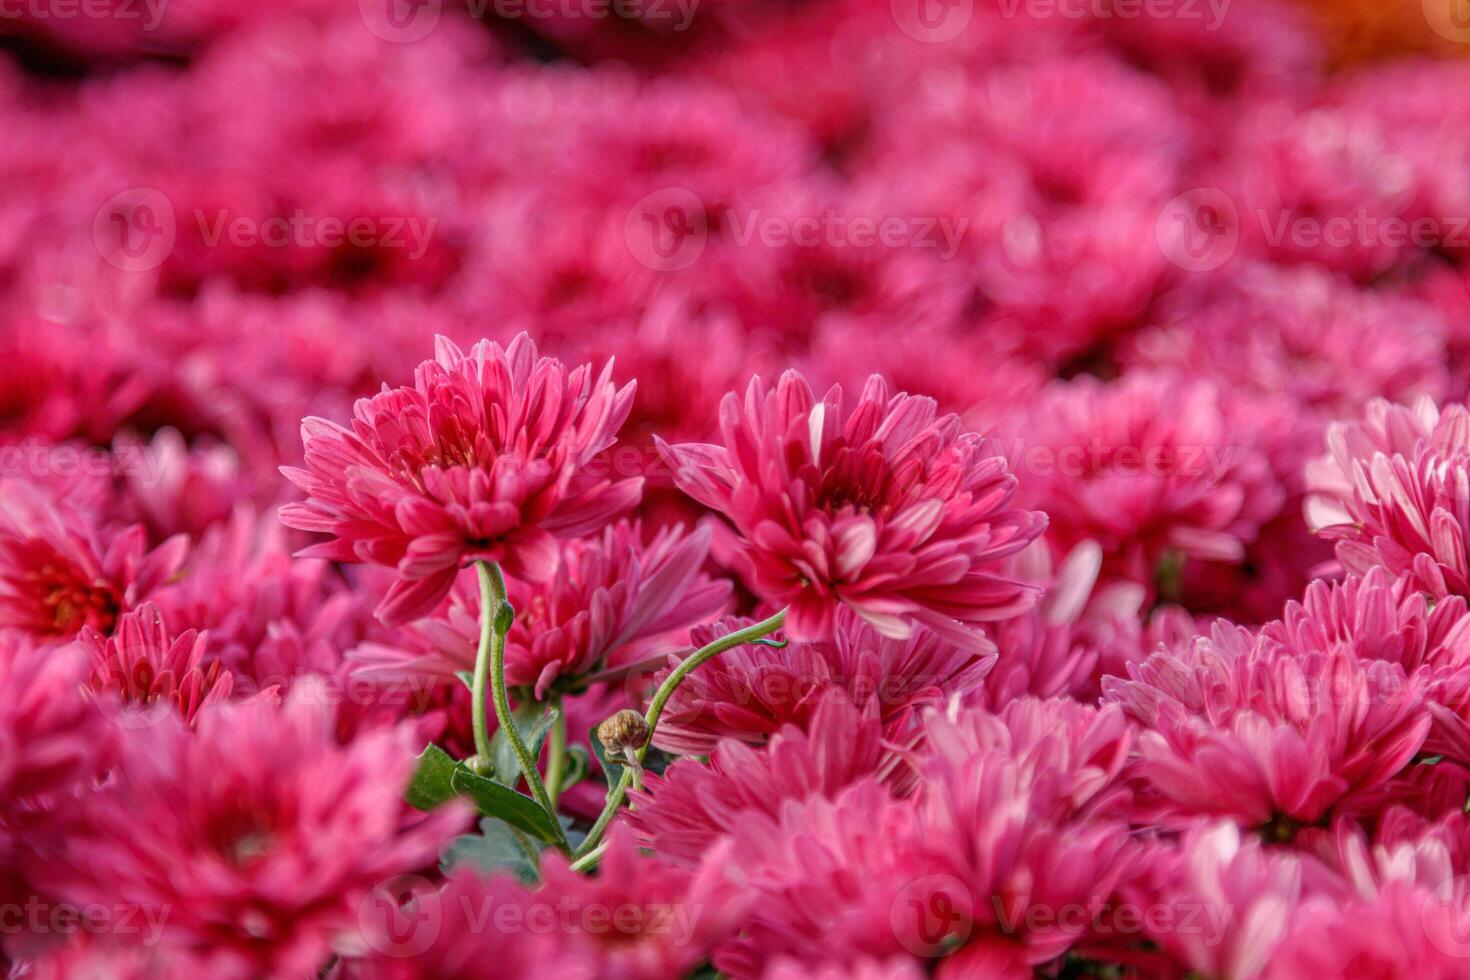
x: 557, y: 747
x: 483, y: 752
x: 656, y: 708
x: 589, y: 859
x: 496, y: 617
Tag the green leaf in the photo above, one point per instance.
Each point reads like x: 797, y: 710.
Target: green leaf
x: 432, y: 782
x: 495, y: 800
x: 494, y: 848
x: 533, y: 726
x: 574, y: 837
x: 578, y: 766
x: 467, y: 678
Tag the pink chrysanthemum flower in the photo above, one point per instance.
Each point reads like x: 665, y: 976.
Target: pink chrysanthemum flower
x: 271, y: 618
x: 691, y: 806
x: 486, y: 457
x: 143, y: 662
x: 1377, y: 617
x: 1150, y: 466
x: 59, y: 572
x: 751, y: 692
x: 174, y: 488
x: 1394, y: 490
x: 257, y: 833
x: 1399, y: 932
x: 1296, y: 332
x: 613, y: 601
x: 1015, y: 815
x: 1077, y: 632
x: 672, y: 917
x: 1219, y: 904
x: 890, y: 509
x: 417, y: 931
x: 53, y: 736
x: 894, y: 969
x: 1270, y: 735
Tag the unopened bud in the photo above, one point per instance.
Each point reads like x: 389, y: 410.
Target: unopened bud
x: 622, y: 736
x: 505, y: 617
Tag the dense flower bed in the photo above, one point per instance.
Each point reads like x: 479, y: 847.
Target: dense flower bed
x: 777, y: 490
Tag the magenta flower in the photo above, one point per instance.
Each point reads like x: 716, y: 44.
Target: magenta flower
x: 751, y: 692
x: 1394, y: 490
x: 1152, y: 465
x: 416, y: 931
x: 1377, y: 617
x: 271, y: 618
x: 1270, y: 735
x: 691, y: 806
x: 257, y: 833
x: 613, y: 601
x: 891, y: 509
x: 1220, y: 904
x: 54, y: 736
x: 1078, y: 631
x: 486, y: 457
x: 1016, y: 815
x: 664, y: 919
x: 144, y: 663
x: 1400, y: 932
x: 1295, y: 332
x: 59, y: 572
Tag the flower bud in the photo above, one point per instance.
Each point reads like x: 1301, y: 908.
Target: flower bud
x: 622, y: 736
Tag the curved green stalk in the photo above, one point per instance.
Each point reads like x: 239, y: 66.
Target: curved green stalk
x: 496, y: 617
x: 656, y: 708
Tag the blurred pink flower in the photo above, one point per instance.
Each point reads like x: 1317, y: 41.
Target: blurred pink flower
x: 891, y: 509
x: 1016, y: 818
x: 144, y: 663
x: 417, y: 931
x: 613, y: 601
x: 1219, y: 905
x: 59, y: 571
x: 1394, y: 490
x: 256, y: 833
x: 691, y: 806
x: 271, y: 618
x: 751, y: 692
x: 487, y: 457
x: 665, y: 919
x: 53, y: 736
x: 1269, y: 734
x: 1151, y: 465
